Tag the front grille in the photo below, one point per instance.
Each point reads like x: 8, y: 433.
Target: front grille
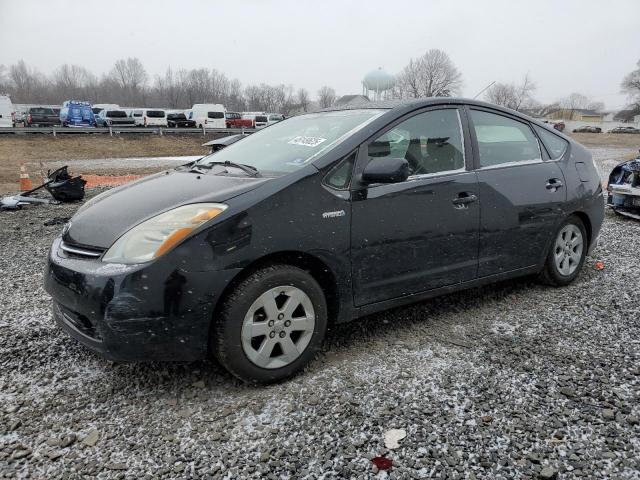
x: 81, y: 252
x: 79, y: 322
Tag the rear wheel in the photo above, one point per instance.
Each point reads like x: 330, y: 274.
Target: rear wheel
x: 567, y: 254
x: 271, y: 325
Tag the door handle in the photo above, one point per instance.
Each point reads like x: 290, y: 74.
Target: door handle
x: 554, y: 184
x: 463, y: 199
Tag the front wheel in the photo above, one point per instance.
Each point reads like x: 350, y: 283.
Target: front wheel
x: 271, y: 325
x: 567, y: 254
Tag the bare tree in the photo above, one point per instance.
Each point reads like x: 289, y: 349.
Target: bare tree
x: 578, y: 101
x: 326, y: 97
x: 431, y: 75
x: 302, y: 96
x: 131, y: 77
x: 631, y: 86
x: 510, y: 95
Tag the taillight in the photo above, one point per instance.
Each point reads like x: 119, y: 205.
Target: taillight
x: 205, y: 121
x: 29, y: 119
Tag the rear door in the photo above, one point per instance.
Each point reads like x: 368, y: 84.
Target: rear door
x: 522, y: 192
x: 419, y: 234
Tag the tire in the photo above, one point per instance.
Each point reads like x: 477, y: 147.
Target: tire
x: 567, y: 253
x: 235, y: 343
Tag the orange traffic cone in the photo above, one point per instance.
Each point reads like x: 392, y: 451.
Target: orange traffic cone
x: 25, y: 181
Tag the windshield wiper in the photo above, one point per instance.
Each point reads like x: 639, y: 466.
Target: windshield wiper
x: 195, y: 169
x: 248, y: 169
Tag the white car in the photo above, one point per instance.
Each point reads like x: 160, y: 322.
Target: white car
x: 260, y: 119
x: 149, y: 117
x: 207, y: 115
x: 7, y: 112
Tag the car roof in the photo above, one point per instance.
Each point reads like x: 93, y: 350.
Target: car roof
x: 400, y: 107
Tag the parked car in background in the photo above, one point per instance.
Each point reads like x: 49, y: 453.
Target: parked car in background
x: 114, y: 118
x: 556, y: 124
x: 42, y: 117
x: 624, y: 130
x: 7, y: 112
x: 75, y: 113
x: 179, y: 120
x: 274, y: 118
x: 149, y: 117
x: 587, y: 129
x: 405, y: 203
x: 98, y: 107
x: 259, y: 119
x: 20, y: 118
x: 235, y: 120
x: 208, y: 115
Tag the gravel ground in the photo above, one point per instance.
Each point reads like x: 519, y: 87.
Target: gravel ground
x: 515, y: 380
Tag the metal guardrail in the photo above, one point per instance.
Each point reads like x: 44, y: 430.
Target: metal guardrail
x: 121, y: 130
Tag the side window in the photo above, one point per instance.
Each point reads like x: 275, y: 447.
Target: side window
x: 431, y: 142
x: 339, y: 177
x: 555, y: 145
x: 502, y: 140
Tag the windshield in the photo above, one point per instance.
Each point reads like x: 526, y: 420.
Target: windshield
x: 288, y: 145
x: 276, y: 118
x: 155, y: 113
x: 176, y: 116
x: 261, y: 118
x: 117, y: 114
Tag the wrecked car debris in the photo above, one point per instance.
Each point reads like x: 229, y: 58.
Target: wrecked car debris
x: 63, y: 187
x: 60, y: 184
x: 624, y: 189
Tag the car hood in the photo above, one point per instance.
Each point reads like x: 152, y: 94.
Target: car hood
x: 102, y: 220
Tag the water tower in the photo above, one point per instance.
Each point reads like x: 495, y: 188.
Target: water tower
x: 377, y: 84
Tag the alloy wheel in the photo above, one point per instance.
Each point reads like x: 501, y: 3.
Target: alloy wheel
x: 278, y: 327
x: 568, y: 249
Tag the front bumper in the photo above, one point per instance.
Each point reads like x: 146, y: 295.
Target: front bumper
x: 154, y: 311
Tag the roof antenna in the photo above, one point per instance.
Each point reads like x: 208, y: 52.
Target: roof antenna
x: 485, y: 88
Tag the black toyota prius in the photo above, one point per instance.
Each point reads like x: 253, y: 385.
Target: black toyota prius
x: 251, y: 253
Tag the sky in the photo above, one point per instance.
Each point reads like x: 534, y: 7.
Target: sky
x: 566, y: 46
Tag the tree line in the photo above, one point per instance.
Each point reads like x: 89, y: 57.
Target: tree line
x: 129, y: 84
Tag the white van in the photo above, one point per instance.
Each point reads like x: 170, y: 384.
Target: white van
x: 260, y: 119
x: 149, y: 117
x: 96, y: 108
x: 6, y: 112
x: 208, y: 115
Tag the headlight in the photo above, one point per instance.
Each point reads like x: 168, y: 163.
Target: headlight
x: 156, y: 236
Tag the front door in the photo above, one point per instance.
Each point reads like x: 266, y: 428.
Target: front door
x: 522, y: 194
x: 422, y: 233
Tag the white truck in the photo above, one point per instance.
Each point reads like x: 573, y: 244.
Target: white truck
x: 7, y: 112
x: 207, y: 115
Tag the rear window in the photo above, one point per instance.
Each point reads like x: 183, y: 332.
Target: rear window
x: 215, y: 114
x: 116, y: 114
x: 502, y: 140
x: 176, y: 116
x: 232, y: 115
x: 261, y: 118
x: 555, y: 145
x: 41, y: 111
x: 276, y: 118
x: 155, y: 113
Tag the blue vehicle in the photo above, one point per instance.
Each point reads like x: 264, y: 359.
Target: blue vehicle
x: 77, y: 114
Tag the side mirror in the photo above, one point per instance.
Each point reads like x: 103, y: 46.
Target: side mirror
x: 386, y: 170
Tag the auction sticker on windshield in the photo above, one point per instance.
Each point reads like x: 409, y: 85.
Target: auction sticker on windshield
x: 307, y: 141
